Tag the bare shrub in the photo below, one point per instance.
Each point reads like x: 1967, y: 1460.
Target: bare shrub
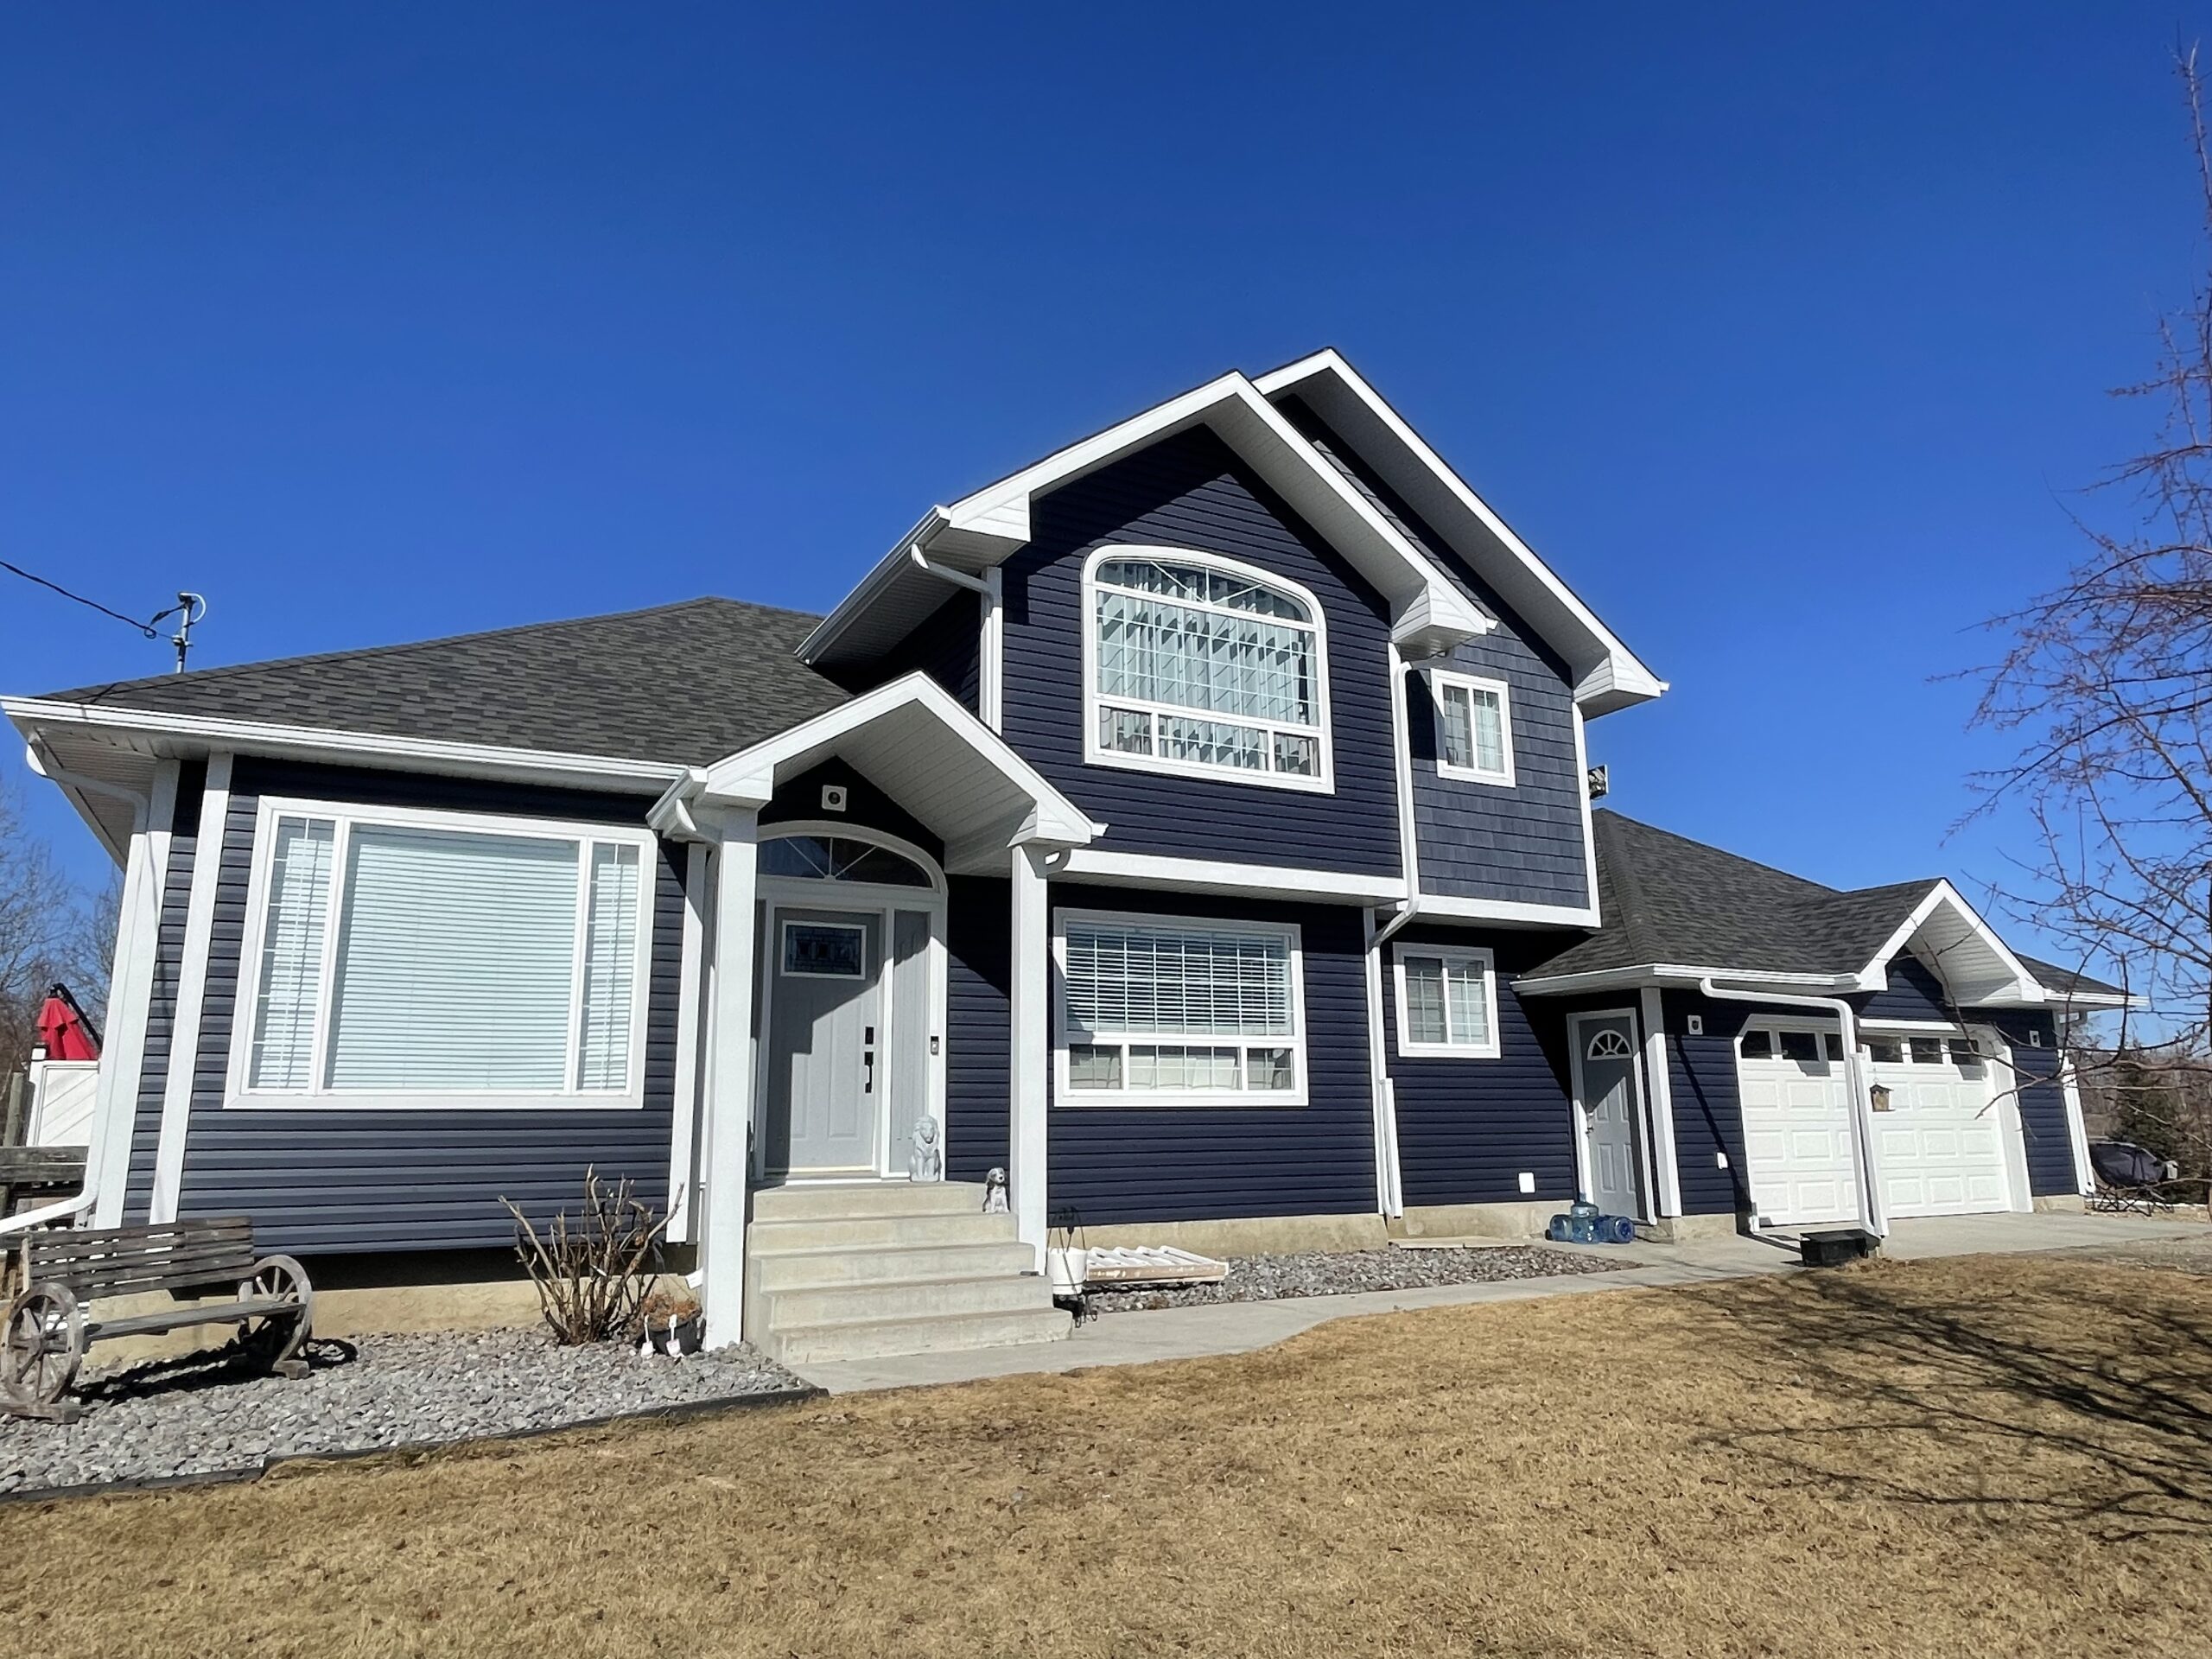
x: 592, y: 1274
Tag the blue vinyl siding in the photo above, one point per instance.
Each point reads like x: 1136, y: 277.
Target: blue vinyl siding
x: 161, y: 1006
x: 2050, y: 1142
x: 1708, y: 1112
x: 1189, y: 491
x: 1468, y: 1127
x: 1478, y: 841
x: 979, y: 1008
x: 1914, y: 993
x: 330, y: 1180
x: 947, y: 647
x: 1113, y: 1165
x: 866, y: 806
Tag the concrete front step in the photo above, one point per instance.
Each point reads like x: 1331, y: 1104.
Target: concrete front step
x: 832, y: 1339
x: 867, y: 1232
x: 838, y: 1200
x: 929, y: 1299
x: 782, y: 1270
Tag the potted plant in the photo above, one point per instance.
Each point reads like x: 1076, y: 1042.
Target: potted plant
x: 674, y: 1323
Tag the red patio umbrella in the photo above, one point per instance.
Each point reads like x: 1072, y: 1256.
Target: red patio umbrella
x: 64, y: 1031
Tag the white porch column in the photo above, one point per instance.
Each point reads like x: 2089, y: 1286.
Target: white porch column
x: 129, y: 1001
x: 730, y: 1095
x: 1030, y: 1046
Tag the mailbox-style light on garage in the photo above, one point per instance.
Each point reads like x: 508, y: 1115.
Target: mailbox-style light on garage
x: 1879, y: 1094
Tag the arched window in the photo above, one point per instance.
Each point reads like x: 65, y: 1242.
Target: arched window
x: 1201, y: 664
x: 1610, y: 1045
x: 839, y: 858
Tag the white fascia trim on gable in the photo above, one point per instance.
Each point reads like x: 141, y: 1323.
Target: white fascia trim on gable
x: 166, y: 734
x: 1611, y: 675
x: 1874, y: 976
x: 748, y: 777
x: 1208, y: 876
x: 1429, y: 613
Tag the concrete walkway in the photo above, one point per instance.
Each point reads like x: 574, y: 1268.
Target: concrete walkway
x: 1240, y: 1327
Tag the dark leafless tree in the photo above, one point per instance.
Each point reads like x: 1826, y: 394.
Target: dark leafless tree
x: 2106, y: 683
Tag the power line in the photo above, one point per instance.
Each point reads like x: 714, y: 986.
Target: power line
x: 146, y: 627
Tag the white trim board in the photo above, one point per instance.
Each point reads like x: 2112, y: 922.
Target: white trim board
x: 1215, y: 875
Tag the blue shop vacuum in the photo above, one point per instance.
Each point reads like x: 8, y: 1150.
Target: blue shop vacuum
x: 1584, y: 1224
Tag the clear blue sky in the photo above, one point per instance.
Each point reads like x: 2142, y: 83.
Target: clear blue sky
x: 1785, y: 338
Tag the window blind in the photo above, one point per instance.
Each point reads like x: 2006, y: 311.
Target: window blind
x: 1127, y: 979
x: 288, y: 984
x: 610, y: 958
x: 456, y: 962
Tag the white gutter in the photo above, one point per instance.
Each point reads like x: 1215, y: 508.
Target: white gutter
x: 1855, y: 1083
x: 923, y: 563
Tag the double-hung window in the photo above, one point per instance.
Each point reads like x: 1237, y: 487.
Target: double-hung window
x: 426, y: 960
x: 1201, y: 665
x: 1474, y: 728
x: 1447, y: 1001
x: 1162, y: 1012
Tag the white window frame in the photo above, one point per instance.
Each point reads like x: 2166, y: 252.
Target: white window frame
x: 346, y: 817
x: 1438, y: 678
x: 1095, y: 753
x: 1481, y: 957
x: 1238, y: 1099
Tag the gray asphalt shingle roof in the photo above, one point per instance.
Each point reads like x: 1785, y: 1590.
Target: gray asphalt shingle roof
x: 1668, y: 899
x: 684, y: 683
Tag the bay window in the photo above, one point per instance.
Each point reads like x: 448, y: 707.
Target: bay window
x: 421, y: 959
x: 1200, y: 664
x: 1160, y: 1011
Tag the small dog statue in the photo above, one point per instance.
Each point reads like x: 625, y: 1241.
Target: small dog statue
x: 926, y: 1159
x: 995, y: 1193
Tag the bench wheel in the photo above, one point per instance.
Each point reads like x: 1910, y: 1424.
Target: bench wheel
x: 274, y: 1340
x: 42, y: 1345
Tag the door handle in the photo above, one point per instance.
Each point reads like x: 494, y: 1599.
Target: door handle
x: 867, y: 1079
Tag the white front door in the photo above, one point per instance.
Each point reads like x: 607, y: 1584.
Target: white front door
x: 825, y: 1014
x: 1941, y: 1144
x: 1797, y: 1149
x: 1607, y: 1091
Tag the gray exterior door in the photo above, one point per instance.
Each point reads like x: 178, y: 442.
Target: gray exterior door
x: 1606, y: 1057
x: 825, y: 1014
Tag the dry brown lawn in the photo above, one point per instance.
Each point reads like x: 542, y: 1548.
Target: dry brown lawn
x: 1983, y: 1456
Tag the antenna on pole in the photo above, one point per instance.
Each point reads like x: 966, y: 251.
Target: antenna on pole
x: 190, y: 608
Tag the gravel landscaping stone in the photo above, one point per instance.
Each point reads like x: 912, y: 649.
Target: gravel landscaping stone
x: 157, y: 1419
x: 1266, y: 1278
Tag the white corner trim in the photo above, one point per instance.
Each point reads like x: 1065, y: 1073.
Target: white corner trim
x: 1390, y: 1173
x: 1481, y: 956
x: 1321, y: 781
x: 2077, y: 1128
x: 1435, y: 908
x: 190, y: 992
x: 1030, y: 1063
x: 1440, y: 680
x: 367, y: 748
x: 690, y: 996
x: 1589, y: 824
x: 1214, y: 875
x: 1659, y: 1090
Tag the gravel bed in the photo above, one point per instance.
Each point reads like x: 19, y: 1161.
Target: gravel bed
x: 1321, y: 1272
x: 163, y: 1418
x: 2176, y: 1255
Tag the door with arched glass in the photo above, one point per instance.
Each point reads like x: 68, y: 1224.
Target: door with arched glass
x: 851, y: 931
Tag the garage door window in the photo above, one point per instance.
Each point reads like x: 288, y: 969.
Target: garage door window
x: 1928, y: 1051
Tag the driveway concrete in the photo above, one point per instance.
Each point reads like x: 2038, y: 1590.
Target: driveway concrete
x: 1240, y: 1327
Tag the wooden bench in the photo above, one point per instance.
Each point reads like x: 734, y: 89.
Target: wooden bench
x: 40, y: 1171
x: 48, y: 1328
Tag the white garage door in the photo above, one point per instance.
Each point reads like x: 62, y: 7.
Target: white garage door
x: 1941, y: 1145
x: 1797, y: 1126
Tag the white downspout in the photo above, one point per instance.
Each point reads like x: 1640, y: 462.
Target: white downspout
x: 1854, y: 1084
x: 990, y: 673
x: 1389, y: 1177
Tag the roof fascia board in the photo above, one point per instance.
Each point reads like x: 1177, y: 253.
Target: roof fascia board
x: 1429, y: 613
x: 1666, y: 973
x: 1210, y: 875
x: 749, y: 776
x: 1611, y: 676
x: 168, y: 733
